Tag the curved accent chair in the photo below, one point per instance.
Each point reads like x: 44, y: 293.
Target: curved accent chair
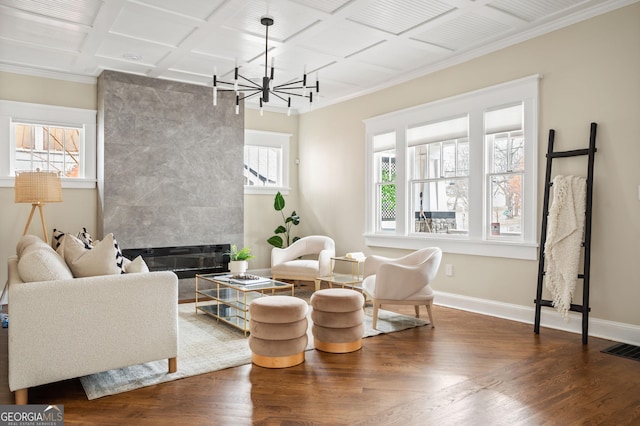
x: 402, y: 281
x: 288, y: 263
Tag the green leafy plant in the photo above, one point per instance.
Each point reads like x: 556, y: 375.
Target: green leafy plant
x: 242, y: 254
x: 293, y: 219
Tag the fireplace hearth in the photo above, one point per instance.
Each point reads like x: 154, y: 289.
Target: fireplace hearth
x: 185, y: 261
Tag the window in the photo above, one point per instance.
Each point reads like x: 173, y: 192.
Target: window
x: 48, y: 148
x: 385, y: 181
x: 439, y: 176
x: 459, y: 173
x: 266, y: 162
x: 48, y: 138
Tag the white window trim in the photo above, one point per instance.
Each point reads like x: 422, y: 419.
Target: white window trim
x: 276, y: 140
x: 11, y: 111
x: 479, y: 241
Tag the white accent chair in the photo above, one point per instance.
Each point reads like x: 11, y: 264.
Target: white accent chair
x: 402, y: 281
x: 288, y: 263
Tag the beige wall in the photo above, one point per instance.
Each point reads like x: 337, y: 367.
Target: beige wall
x: 260, y: 219
x: 79, y: 206
x: 590, y: 74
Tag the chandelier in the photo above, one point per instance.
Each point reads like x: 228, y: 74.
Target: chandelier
x: 245, y: 88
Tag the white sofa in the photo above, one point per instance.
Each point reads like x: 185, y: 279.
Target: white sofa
x: 71, y: 327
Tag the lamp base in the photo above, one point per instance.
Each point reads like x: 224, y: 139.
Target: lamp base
x: 44, y: 227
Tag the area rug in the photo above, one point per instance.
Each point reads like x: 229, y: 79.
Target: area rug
x: 206, y: 345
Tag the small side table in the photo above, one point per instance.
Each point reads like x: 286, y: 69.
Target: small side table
x: 352, y: 280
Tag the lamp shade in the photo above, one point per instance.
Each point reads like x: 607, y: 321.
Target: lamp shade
x: 38, y: 187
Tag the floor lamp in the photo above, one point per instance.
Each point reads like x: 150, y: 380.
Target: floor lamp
x: 38, y: 188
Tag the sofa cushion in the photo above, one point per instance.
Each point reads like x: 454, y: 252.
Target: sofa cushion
x: 39, y: 262
x: 103, y: 258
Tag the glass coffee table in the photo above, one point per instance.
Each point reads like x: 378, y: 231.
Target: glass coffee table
x: 227, y: 298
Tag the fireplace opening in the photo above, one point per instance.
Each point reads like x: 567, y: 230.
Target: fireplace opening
x: 185, y: 261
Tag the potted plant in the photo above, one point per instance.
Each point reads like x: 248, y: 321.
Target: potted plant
x: 293, y: 219
x: 238, y: 259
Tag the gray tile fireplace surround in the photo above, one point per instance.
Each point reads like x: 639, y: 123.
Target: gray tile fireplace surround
x: 171, y: 174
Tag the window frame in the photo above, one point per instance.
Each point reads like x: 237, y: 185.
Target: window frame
x: 266, y: 139
x: 476, y: 103
x: 48, y: 115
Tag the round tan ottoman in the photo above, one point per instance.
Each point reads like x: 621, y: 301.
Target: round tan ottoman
x: 337, y: 316
x: 278, y: 327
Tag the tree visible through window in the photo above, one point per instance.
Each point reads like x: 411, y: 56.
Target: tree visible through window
x: 459, y: 171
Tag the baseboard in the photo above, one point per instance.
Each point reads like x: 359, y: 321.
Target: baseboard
x: 611, y: 330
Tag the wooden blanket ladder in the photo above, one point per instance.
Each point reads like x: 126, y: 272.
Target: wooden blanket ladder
x: 586, y: 244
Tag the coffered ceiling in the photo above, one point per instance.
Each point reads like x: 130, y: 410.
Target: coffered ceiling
x: 353, y: 46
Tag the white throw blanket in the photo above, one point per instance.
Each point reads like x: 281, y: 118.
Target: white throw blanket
x: 565, y: 228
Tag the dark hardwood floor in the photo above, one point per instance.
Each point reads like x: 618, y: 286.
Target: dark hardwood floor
x: 469, y: 370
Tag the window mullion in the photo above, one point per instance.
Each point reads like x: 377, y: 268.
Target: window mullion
x: 477, y: 197
x: 402, y: 185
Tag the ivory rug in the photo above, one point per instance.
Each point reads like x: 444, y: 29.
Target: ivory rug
x: 206, y: 345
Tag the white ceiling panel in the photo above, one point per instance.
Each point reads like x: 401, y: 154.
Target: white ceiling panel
x: 200, y: 9
x: 343, y: 39
x: 400, y: 57
x: 76, y: 11
x: 289, y: 19
x: 25, y: 31
x: 119, y: 48
x: 359, y: 46
x: 533, y: 10
x: 465, y: 30
x: 355, y: 73
x: 151, y: 25
x: 327, y: 6
x: 298, y: 60
x: 230, y: 45
x: 126, y: 67
x: 391, y: 16
x: 202, y: 65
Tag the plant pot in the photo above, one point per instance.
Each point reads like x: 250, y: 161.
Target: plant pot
x: 238, y: 267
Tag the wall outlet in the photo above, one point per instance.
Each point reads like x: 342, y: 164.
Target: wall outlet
x: 448, y: 270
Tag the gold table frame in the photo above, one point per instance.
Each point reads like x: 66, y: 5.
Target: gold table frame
x: 228, y: 301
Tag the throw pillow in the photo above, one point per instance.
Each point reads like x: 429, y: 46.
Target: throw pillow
x: 42, y: 263
x: 136, y: 265
x: 28, y: 242
x: 57, y: 239
x: 104, y: 258
x: 85, y: 237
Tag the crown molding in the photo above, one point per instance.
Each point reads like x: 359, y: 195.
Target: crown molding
x: 57, y: 75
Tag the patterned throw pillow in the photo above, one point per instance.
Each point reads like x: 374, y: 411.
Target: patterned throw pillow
x: 85, y: 237
x: 57, y: 239
x: 102, y: 258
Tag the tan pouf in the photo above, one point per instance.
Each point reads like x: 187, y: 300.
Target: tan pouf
x: 278, y: 327
x: 337, y: 315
